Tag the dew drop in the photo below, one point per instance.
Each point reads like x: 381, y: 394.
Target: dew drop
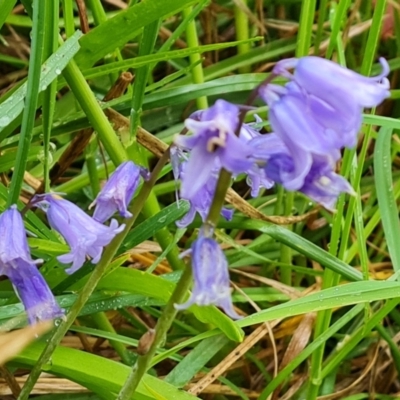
x: 4, y: 121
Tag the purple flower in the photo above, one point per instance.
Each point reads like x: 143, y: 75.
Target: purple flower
x: 317, y: 179
x: 337, y: 86
x: 17, y: 264
x: 118, y: 192
x: 211, y: 277
x: 292, y: 163
x: 201, y: 202
x: 320, y: 109
x: 323, y: 185
x: 84, y: 235
x: 212, y: 146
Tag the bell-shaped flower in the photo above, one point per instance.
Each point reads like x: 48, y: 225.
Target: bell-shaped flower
x: 320, y: 109
x: 211, y: 277
x: 16, y: 263
x: 117, y: 193
x: 285, y: 163
x: 201, y: 202
x: 213, y: 145
x: 317, y: 180
x: 334, y: 84
x: 85, y: 236
x: 323, y: 185
x: 302, y: 120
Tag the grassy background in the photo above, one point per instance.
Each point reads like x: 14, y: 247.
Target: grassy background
x: 319, y: 295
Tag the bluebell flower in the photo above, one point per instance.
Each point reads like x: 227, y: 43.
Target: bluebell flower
x: 212, y: 146
x: 317, y: 179
x: 85, y: 236
x: 16, y: 263
x: 320, y: 108
x: 337, y: 86
x: 201, y: 202
x: 297, y: 118
x: 211, y: 277
x: 117, y: 193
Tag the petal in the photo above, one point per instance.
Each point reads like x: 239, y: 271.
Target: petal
x: 235, y: 156
x: 33, y: 291
x: 13, y: 242
x: 198, y: 170
x: 333, y: 83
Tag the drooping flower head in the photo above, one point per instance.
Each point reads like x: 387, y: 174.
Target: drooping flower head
x: 85, y: 236
x: 334, y: 84
x: 212, y: 146
x: 320, y: 108
x: 211, y: 277
x: 318, y: 181
x: 118, y: 192
x: 201, y: 202
x: 17, y: 264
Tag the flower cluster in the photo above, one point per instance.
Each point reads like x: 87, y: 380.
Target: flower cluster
x: 85, y: 235
x: 316, y: 114
x: 313, y: 117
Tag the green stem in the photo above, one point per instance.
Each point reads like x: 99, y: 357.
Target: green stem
x: 242, y: 33
x: 323, y: 8
x: 95, y: 114
x: 146, y: 47
x: 92, y: 282
x: 163, y: 324
x: 92, y: 168
x: 286, y: 252
x: 31, y: 99
x: 68, y: 14
x: 330, y: 279
x: 197, y: 71
x: 224, y: 181
x: 49, y: 96
x: 104, y: 324
x: 305, y: 31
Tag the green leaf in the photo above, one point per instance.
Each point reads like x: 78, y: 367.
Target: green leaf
x: 124, y: 26
x: 153, y: 224
x: 138, y: 282
x: 106, y: 379
x: 340, y: 296
x: 384, y: 192
x: 151, y: 58
x: 13, y: 106
x: 6, y: 6
x: 302, y: 245
x: 195, y: 360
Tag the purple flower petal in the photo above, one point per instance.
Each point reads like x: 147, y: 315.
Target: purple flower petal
x: 201, y: 202
x: 13, y: 243
x: 333, y: 83
x: 84, y: 235
x: 211, y: 277
x: 118, y: 192
x: 213, y: 145
x: 33, y: 291
x: 17, y: 264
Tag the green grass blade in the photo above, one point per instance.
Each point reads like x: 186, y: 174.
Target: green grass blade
x: 31, y: 100
x: 384, y: 191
